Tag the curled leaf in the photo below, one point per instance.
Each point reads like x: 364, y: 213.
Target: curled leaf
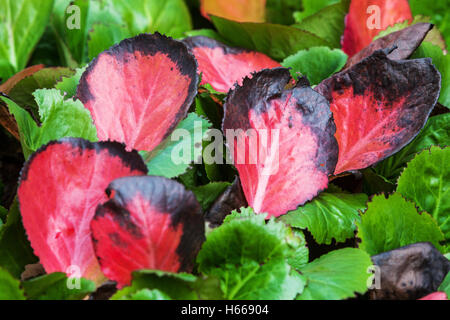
x: 404, y: 42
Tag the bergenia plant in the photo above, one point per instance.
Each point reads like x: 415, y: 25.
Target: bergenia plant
x: 251, y: 150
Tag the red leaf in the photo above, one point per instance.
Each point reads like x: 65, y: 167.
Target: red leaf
x: 237, y: 10
x: 60, y: 186
x: 366, y: 18
x: 222, y: 66
x: 147, y: 223
x: 435, y: 296
x: 379, y: 105
x: 139, y: 90
x: 278, y: 177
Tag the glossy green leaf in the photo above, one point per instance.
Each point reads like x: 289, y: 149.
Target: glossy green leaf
x: 22, y: 24
x: 435, y: 133
x: 316, y: 63
x: 60, y: 118
x: 328, y: 23
x: 177, y: 152
x: 249, y: 258
x: 277, y: 41
x: 57, y: 286
x: 310, y: 7
x: 170, y: 17
x: 393, y: 222
x: 71, y: 23
x: 102, y: 37
x: 329, y: 216
x: 337, y: 275
x: 9, y: 287
x: 426, y: 181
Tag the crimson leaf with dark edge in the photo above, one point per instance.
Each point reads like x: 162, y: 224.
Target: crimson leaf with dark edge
x: 139, y: 90
x: 379, y: 105
x: 295, y: 147
x: 60, y: 186
x: 148, y: 223
x: 223, y: 66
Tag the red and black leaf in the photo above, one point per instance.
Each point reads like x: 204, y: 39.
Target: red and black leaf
x: 60, y: 187
x: 223, y: 66
x: 404, y: 42
x: 366, y: 18
x: 379, y: 105
x: 295, y: 150
x: 148, y: 223
x: 139, y: 90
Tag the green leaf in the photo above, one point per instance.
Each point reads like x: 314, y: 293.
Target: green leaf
x: 22, y: 93
x: 310, y: 7
x: 442, y: 63
x: 437, y: 10
x: 436, y: 132
x: 249, y: 258
x: 328, y: 216
x: 174, y: 285
x: 277, y: 41
x: 146, y: 294
x: 15, y: 249
x: 60, y: 118
x: 336, y: 275
x: 56, y: 286
x: 23, y: 23
x: 133, y: 17
x: 373, y: 183
x: 445, y: 285
x: 206, y: 107
x: 28, y: 129
x: 316, y: 63
x: 328, y: 23
x: 9, y: 287
x: 280, y: 11
x: 72, y: 42
x: 68, y: 84
x: 103, y: 36
x: 170, y: 17
x: 393, y: 222
x: 207, y: 193
x: 176, y: 153
x: 426, y: 181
